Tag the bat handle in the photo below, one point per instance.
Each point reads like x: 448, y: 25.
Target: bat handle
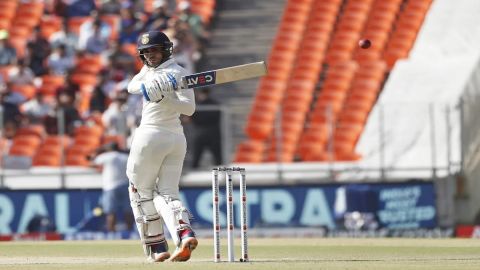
x: 183, y: 83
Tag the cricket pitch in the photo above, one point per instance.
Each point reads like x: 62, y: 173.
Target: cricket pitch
x: 265, y: 253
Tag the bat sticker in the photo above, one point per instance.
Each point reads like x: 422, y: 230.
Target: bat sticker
x: 200, y: 79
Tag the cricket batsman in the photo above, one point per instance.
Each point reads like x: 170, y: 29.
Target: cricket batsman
x: 158, y: 149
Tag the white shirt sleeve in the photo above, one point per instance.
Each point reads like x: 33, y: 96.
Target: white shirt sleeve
x: 134, y: 85
x: 184, y: 103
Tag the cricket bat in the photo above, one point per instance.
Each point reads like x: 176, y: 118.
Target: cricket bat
x: 224, y: 75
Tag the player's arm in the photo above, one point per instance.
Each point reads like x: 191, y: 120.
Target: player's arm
x: 134, y: 86
x: 182, y: 102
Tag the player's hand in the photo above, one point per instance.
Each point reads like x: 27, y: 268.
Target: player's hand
x: 151, y: 91
x: 167, y: 81
x: 161, y: 85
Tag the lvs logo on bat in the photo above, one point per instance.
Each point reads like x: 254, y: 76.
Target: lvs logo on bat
x: 200, y: 79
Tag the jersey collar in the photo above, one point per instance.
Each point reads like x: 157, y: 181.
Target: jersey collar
x: 165, y: 64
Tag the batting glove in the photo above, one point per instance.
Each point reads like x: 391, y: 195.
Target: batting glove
x: 156, y: 89
x: 167, y: 82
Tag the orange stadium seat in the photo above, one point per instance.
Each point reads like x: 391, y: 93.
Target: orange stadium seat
x: 204, y: 11
x: 20, y: 31
x: 57, y: 140
x: 6, y: 13
x: 50, y: 150
x: 26, y: 21
x: 84, y: 79
x: 90, y: 64
x: 76, y: 160
x: 250, y: 151
x: 4, y: 23
x: 20, y: 44
x: 258, y: 130
x: 32, y: 12
x: 27, y: 140
x: 365, y: 56
x: 420, y: 5
x: 78, y: 150
x: 53, y: 80
x: 360, y: 7
x: 50, y: 24
x: 26, y: 90
x: 46, y: 160
x: 85, y: 130
x: 74, y: 23
x: 10, y: 6
x: 22, y: 150
x: 353, y: 115
x: 32, y: 129
x: 88, y: 142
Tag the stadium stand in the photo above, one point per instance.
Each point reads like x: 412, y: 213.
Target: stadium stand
x: 335, y: 104
x: 95, y: 78
x: 281, y: 60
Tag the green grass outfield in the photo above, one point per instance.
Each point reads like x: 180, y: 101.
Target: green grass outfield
x: 265, y: 253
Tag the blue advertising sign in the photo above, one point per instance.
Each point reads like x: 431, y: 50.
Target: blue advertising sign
x: 402, y: 205
x: 65, y: 207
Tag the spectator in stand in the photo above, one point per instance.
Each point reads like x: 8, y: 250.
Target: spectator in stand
x: 194, y: 21
x: 115, y: 117
x: 21, y: 74
x: 183, y: 56
x: 11, y: 96
x: 59, y: 8
x: 87, y: 30
x: 64, y: 37
x: 8, y: 54
x: 70, y: 87
x: 129, y: 34
x: 11, y: 111
x: 66, y: 102
x: 38, y: 51
x: 158, y: 20
x: 111, y: 7
x: 207, y: 128
x: 115, y: 198
x: 119, y: 59
x: 36, y: 109
x: 186, y: 48
x: 96, y: 43
x: 98, y: 100
x: 60, y: 62
x: 128, y: 16
x: 79, y: 8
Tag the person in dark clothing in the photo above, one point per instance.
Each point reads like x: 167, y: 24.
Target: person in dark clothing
x: 11, y: 112
x: 65, y: 102
x: 12, y: 117
x: 206, y: 122
x: 38, y: 51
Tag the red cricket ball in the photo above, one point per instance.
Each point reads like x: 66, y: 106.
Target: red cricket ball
x: 364, y: 43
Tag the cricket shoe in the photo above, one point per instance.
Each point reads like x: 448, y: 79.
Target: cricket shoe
x: 187, y: 245
x: 159, y: 252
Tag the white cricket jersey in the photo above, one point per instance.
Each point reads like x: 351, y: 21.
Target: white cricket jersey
x: 114, y: 167
x: 165, y: 113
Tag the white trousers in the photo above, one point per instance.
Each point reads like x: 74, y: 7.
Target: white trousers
x: 154, y: 167
x: 156, y: 154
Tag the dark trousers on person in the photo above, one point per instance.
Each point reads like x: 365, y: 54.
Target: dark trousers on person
x: 206, y: 139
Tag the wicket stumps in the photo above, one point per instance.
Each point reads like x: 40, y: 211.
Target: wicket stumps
x: 228, y: 173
